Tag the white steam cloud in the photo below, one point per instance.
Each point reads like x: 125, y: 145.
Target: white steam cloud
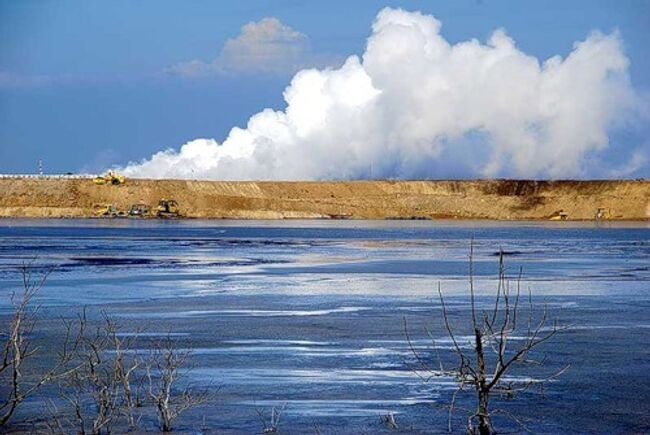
x: 417, y: 106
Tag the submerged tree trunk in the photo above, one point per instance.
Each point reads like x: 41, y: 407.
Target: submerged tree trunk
x: 496, y: 326
x: 483, y: 415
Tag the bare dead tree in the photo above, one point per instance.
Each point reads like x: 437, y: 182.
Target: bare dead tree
x: 59, y: 421
x: 93, y: 390
x: 125, y: 367
x: 164, y: 368
x: 100, y: 391
x: 492, y: 344
x: 273, y: 425
x: 101, y: 379
x: 389, y: 420
x: 18, y: 348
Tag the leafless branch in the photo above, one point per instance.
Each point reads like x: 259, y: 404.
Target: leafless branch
x: 18, y: 347
x: 163, y: 371
x: 389, y: 420
x: 494, y: 331
x: 274, y: 423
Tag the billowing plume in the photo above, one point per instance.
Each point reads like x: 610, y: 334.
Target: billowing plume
x: 416, y: 106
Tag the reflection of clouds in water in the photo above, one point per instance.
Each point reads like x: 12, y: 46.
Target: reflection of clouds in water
x: 599, y: 327
x: 419, y: 287
x: 303, y: 351
x: 280, y: 342
x: 278, y: 375
x: 251, y: 313
x: 145, y: 334
x: 342, y: 407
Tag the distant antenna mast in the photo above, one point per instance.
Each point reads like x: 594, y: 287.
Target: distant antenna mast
x: 40, y: 167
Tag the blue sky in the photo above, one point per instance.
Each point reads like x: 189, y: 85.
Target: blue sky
x: 82, y: 84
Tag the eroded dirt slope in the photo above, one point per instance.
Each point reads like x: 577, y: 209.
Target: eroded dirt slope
x: 483, y: 199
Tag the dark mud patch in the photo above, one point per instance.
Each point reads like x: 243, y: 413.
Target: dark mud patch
x: 115, y: 261
x: 106, y: 262
x: 139, y: 261
x: 252, y: 243
x: 507, y: 253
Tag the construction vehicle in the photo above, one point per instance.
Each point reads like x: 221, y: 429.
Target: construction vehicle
x: 559, y: 215
x: 603, y: 214
x: 167, y: 208
x: 111, y: 178
x: 108, y: 210
x: 139, y: 210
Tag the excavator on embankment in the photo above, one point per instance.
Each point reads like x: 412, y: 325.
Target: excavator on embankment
x: 110, y: 178
x: 108, y: 211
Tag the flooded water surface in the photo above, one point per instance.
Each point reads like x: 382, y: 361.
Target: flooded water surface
x: 309, y: 316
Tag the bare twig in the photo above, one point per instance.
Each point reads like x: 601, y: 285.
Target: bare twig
x: 494, y: 331
x: 163, y: 371
x: 389, y: 420
x: 274, y: 423
x: 18, y: 347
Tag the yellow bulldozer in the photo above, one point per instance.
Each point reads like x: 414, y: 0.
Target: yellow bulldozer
x: 108, y: 210
x: 167, y: 208
x: 111, y: 178
x: 559, y: 215
x: 603, y: 213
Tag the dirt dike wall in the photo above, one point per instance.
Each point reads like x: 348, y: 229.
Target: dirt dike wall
x: 382, y: 199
